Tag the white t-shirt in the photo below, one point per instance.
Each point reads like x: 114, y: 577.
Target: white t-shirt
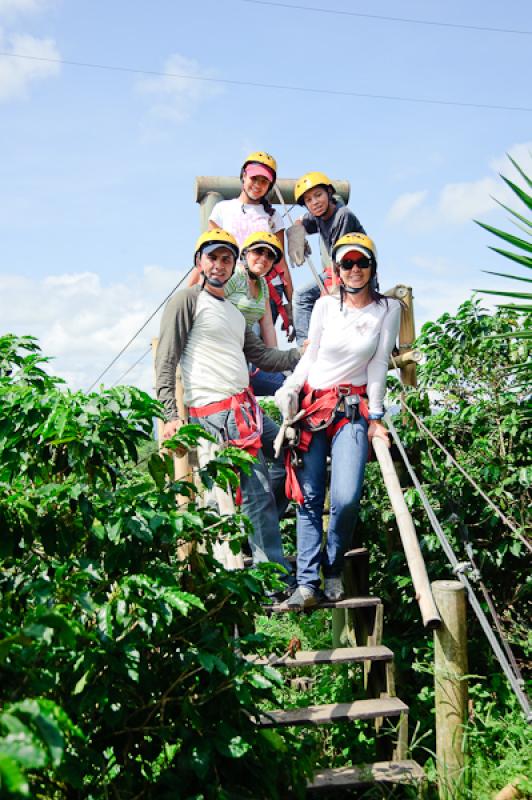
x: 242, y: 219
x: 351, y: 345
x: 213, y: 365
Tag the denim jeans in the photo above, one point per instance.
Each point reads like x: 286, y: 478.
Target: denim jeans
x: 304, y: 301
x: 265, y: 384
x: 348, y: 450
x: 263, y: 495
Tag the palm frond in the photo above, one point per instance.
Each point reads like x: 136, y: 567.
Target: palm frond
x: 508, y: 237
x: 520, y: 171
x: 522, y: 195
x: 525, y: 260
x: 505, y: 275
x: 513, y: 212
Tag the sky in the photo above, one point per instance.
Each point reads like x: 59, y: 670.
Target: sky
x: 97, y: 166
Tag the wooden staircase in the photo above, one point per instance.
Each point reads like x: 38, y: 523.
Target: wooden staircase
x: 359, y: 623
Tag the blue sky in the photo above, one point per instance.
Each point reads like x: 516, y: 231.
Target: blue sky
x: 97, y: 215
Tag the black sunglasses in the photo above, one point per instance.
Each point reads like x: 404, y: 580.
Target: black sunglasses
x: 349, y: 263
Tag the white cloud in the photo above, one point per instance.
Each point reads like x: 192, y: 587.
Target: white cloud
x: 83, y: 324
x: 16, y: 74
x: 405, y: 205
x: 433, y: 297
x: 178, y: 97
x: 12, y: 8
x: 459, y: 203
x: 521, y: 153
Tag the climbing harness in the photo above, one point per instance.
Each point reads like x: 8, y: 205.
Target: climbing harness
x: 248, y: 420
x: 318, y: 409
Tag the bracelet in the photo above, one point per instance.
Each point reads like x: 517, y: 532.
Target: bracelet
x: 375, y: 417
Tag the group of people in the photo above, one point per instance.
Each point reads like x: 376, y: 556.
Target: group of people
x: 331, y: 387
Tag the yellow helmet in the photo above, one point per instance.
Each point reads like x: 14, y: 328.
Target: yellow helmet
x: 265, y: 238
x: 261, y: 157
x: 309, y: 181
x: 355, y: 241
x: 216, y: 236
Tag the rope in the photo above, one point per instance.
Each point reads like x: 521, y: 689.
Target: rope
x: 132, y: 367
x: 123, y: 350
x: 459, y: 569
x: 471, y: 480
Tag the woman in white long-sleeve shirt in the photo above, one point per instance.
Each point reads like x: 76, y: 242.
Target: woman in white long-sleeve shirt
x: 340, y: 383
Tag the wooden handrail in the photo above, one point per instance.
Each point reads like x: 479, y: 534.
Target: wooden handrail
x: 416, y: 564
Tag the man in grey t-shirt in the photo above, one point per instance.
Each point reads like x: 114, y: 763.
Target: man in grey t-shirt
x: 208, y: 336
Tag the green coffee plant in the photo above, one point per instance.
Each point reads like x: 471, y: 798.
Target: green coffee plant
x: 121, y: 665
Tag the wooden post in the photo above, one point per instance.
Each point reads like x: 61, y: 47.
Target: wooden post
x: 182, y: 469
x: 160, y: 423
x: 407, y: 531
x: 450, y: 670
x: 407, y: 332
x: 207, y: 203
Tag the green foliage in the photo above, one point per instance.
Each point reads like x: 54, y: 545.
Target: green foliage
x: 522, y: 257
x: 468, y: 398
x: 120, y: 672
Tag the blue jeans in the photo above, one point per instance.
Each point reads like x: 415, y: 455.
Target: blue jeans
x: 304, y: 301
x: 263, y: 495
x: 349, y: 451
x: 265, y: 384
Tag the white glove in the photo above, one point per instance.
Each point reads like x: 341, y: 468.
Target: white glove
x: 297, y: 244
x: 287, y: 401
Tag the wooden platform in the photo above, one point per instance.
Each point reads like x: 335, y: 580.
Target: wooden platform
x: 381, y: 772
x: 349, y: 602
x: 338, y: 655
x: 335, y: 712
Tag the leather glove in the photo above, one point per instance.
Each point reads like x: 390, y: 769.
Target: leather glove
x: 287, y: 401
x: 297, y: 244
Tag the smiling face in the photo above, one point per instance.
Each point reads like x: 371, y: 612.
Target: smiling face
x: 217, y: 265
x: 355, y: 270
x: 317, y: 201
x: 260, y: 260
x: 256, y: 186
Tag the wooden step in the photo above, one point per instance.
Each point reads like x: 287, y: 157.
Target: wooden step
x: 349, y: 602
x: 339, y: 655
x: 381, y: 772
x: 335, y: 712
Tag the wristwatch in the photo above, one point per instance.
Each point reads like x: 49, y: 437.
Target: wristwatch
x: 375, y: 417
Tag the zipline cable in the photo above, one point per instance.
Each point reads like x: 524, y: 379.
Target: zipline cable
x: 458, y: 570
x: 132, y: 367
x: 471, y: 480
x: 277, y: 86
x: 382, y: 17
x: 123, y: 350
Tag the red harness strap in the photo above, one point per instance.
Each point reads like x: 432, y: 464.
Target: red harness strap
x: 320, y: 406
x: 275, y: 296
x: 249, y: 425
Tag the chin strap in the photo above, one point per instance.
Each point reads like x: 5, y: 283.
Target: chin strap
x: 350, y: 290
x: 214, y: 282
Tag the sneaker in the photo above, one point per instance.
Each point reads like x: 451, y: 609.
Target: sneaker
x: 303, y: 597
x: 278, y: 597
x: 333, y: 589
